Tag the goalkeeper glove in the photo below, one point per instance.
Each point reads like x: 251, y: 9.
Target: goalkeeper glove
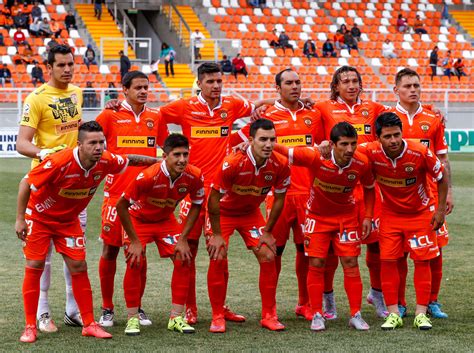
x: 47, y: 151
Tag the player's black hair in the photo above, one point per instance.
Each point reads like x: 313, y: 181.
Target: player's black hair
x: 405, y: 72
x: 90, y: 126
x: 278, y: 76
x: 58, y: 49
x: 336, y: 78
x: 174, y: 141
x: 388, y: 119
x: 208, y: 68
x: 342, y: 129
x: 264, y: 124
x: 130, y: 76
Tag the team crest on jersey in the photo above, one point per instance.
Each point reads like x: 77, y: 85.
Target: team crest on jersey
x: 224, y: 114
x: 409, y: 168
x: 424, y: 127
x: 351, y: 176
x: 97, y: 176
x: 307, y: 122
x: 150, y: 124
x: 183, y: 189
x: 107, y: 227
x: 268, y: 177
x: 365, y: 113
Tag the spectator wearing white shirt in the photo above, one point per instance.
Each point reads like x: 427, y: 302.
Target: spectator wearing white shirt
x: 388, y: 49
x: 197, y: 37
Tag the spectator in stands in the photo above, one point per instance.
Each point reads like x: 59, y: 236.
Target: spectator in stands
x: 402, y: 24
x: 2, y: 43
x: 274, y: 41
x: 19, y: 37
x: 98, y: 8
x: 226, y: 65
x: 111, y: 93
x: 5, y: 75
x: 434, y: 61
x: 459, y: 68
x: 45, y: 30
x: 447, y: 64
x: 356, y: 33
x: 309, y: 49
x: 168, y: 54
x: 27, y: 56
x: 350, y: 41
x: 35, y: 27
x: 17, y: 60
x: 284, y: 41
x: 52, y: 42
x: 445, y: 15
x: 44, y: 56
x: 90, y: 96
x: 388, y: 49
x: 419, y: 26
x: 37, y: 74
x: 36, y: 11
x: 154, y: 69
x: 70, y: 21
x: 328, y: 49
x: 89, y: 56
x: 125, y: 64
x: 239, y: 66
x: 343, y: 28
x: 197, y: 37
x: 55, y: 29
x: 26, y: 9
x: 21, y: 20
x: 339, y: 40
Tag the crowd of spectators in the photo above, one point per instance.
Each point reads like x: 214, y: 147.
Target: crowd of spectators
x: 234, y: 67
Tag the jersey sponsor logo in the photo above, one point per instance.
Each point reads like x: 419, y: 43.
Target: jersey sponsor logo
x: 64, y: 109
x: 136, y: 141
x: 396, y: 183
x: 171, y: 239
x: 333, y: 188
x: 67, y: 127
x: 363, y: 129
x: 420, y: 241
x: 75, y: 242
x: 425, y: 142
x: 162, y: 203
x: 46, y: 204
x: 339, y: 111
x: 124, y: 121
x: 198, y: 113
x: 225, y: 165
x: 48, y: 165
x: 295, y: 140
x: 348, y: 237
x: 140, y: 176
x: 256, y: 233
x: 210, y: 132
x: 77, y: 193
x: 250, y: 190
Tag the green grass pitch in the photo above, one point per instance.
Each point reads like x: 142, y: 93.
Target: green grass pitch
x: 452, y: 335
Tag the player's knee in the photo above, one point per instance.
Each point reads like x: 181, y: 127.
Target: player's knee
x: 265, y: 255
x: 348, y: 261
x: 110, y: 252
x: 37, y: 264
x: 317, y: 262
x: 76, y: 266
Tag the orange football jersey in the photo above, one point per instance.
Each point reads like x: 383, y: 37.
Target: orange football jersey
x: 127, y: 133
x: 404, y: 181
x: 245, y: 186
x: 302, y: 127
x: 208, y: 130
x: 154, y: 195
x: 62, y: 188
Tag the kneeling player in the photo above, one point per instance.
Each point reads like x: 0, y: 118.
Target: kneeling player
x: 153, y: 197
x: 243, y: 183
x: 409, y: 216
x: 332, y: 217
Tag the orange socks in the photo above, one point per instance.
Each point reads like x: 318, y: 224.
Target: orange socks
x: 107, y: 269
x: 31, y: 291
x: 402, y: 264
x: 373, y: 264
x: 132, y: 284
x: 390, y: 281
x: 191, y: 299
x: 353, y: 287
x: 436, y: 265
x: 315, y: 288
x: 332, y: 261
x: 179, y: 282
x: 143, y: 278
x: 267, y: 285
x: 422, y: 281
x: 216, y: 285
x: 301, y: 265
x: 81, y: 287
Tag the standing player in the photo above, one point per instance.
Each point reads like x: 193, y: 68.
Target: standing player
x: 295, y: 126
x: 50, y: 198
x: 133, y: 128
x: 153, y: 197
x: 241, y: 185
x: 332, y: 216
x: 50, y: 121
x: 409, y: 216
x: 420, y: 124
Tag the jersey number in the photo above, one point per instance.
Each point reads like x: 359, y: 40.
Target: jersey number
x: 111, y: 213
x: 309, y: 225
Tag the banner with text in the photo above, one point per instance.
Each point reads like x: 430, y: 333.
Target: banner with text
x: 8, y: 142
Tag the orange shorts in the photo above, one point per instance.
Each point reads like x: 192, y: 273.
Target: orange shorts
x: 407, y: 233
x: 68, y: 239
x: 250, y: 227
x: 292, y: 218
x: 359, y: 197
x: 322, y: 232
x: 164, y: 234
x: 442, y: 235
x: 111, y: 230
x: 200, y: 224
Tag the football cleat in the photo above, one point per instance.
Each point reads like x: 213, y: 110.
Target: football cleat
x: 422, y: 322
x: 376, y: 299
x: 46, y: 324
x: 74, y: 321
x: 231, y: 316
x: 392, y: 321
x: 402, y: 310
x: 304, y: 311
x: 434, y: 309
x: 217, y: 324
x: 142, y: 316
x: 272, y: 323
x: 133, y: 326
x: 95, y: 330
x: 29, y: 334
x: 317, y: 323
x: 358, y: 322
x: 107, y: 318
x: 329, y: 306
x: 191, y: 316
x: 178, y: 324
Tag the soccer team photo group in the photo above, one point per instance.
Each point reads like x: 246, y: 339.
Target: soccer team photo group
x: 354, y: 212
